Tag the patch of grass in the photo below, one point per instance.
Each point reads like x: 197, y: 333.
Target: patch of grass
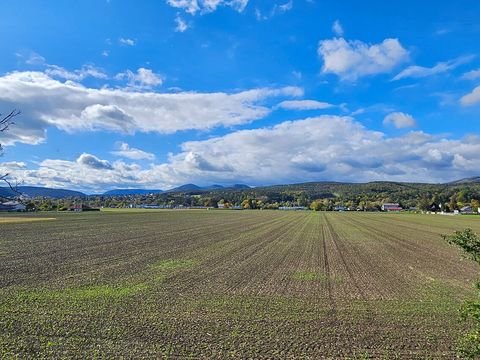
x: 164, y: 268
x: 250, y: 307
x: 315, y: 276
x: 93, y: 292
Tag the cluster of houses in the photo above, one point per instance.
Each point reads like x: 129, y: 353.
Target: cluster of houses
x: 468, y: 210
x: 15, y: 206
x: 433, y: 209
x: 77, y: 207
x: 391, y: 207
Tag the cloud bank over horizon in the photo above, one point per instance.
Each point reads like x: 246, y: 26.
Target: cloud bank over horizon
x: 319, y: 148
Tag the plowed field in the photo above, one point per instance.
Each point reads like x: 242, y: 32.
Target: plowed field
x: 232, y: 284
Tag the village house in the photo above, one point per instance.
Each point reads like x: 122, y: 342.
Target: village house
x: 82, y: 207
x: 292, y: 208
x: 391, y: 207
x: 466, y: 210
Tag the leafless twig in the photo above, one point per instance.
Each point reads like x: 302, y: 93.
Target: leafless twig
x: 5, y: 122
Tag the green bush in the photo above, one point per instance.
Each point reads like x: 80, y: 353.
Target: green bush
x: 469, y: 344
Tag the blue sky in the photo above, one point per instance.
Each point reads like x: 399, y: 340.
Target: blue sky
x: 154, y: 94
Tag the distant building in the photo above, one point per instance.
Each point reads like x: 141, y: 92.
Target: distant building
x: 391, y: 207
x: 76, y: 207
x: 150, y: 206
x: 82, y: 207
x: 292, y: 208
x: 466, y: 210
x: 221, y: 205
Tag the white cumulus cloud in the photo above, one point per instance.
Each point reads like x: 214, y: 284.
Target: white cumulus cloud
x: 127, y: 41
x: 304, y: 105
x: 48, y: 102
x: 400, y: 120
x: 351, y: 60
x: 142, y: 78
x: 337, y: 28
x: 207, y: 6
x: 471, y: 98
x: 181, y: 25
x: 76, y: 75
x: 124, y: 150
x: 472, y: 75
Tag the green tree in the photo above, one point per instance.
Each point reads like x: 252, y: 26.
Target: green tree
x: 453, y: 205
x: 424, y: 204
x: 469, y: 344
x: 475, y: 205
x: 316, y: 205
x: 246, y: 204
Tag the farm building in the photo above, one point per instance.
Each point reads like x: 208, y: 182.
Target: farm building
x: 391, y: 207
x: 292, y: 208
x: 12, y: 206
x: 467, y: 210
x: 82, y: 207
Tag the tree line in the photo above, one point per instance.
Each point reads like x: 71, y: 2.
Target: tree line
x: 315, y: 196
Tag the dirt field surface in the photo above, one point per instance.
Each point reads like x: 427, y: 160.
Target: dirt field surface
x: 232, y: 284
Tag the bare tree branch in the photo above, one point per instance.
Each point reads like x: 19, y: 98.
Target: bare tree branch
x: 4, y: 178
x: 5, y: 123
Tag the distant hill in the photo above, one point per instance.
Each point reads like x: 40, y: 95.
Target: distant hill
x: 214, y: 187
x: 185, y: 188
x: 126, y: 192
x: 34, y: 191
x: 238, y: 186
x: 333, y: 189
x: 326, y: 189
x: 472, y: 180
x: 376, y: 189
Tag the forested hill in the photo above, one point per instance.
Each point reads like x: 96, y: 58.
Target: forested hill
x: 335, y: 189
x: 370, y: 195
x: 329, y: 194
